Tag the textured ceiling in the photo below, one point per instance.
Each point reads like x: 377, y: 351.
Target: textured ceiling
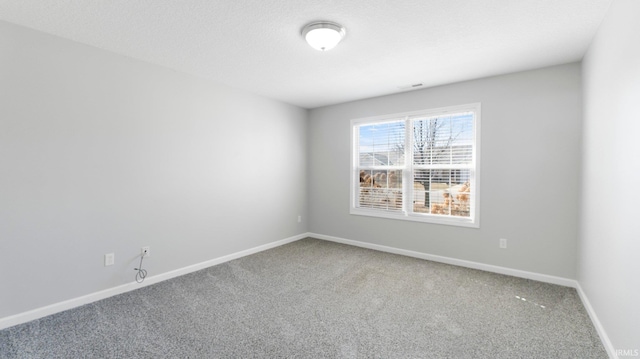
x: 256, y: 45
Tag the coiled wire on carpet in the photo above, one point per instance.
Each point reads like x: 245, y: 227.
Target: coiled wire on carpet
x: 142, y: 273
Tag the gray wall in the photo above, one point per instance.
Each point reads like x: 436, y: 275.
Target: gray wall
x: 100, y: 153
x: 609, y: 247
x: 531, y: 142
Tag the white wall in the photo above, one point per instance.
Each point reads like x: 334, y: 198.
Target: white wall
x: 609, y: 246
x: 100, y: 153
x: 531, y: 141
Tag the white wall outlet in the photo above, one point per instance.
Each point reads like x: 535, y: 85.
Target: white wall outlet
x: 109, y: 259
x: 145, y: 251
x: 503, y: 243
x: 299, y: 219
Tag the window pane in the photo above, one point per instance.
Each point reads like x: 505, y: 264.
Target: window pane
x: 443, y: 139
x: 381, y: 189
x: 442, y: 191
x: 381, y: 144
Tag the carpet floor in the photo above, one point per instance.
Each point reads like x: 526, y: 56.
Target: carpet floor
x: 317, y: 299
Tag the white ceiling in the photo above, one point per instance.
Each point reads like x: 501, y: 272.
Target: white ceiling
x: 256, y: 45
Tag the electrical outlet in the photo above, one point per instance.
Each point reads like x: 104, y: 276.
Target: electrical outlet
x: 145, y: 251
x: 109, y: 259
x: 299, y: 219
x: 503, y: 243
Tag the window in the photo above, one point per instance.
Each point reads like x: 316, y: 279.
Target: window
x: 420, y: 166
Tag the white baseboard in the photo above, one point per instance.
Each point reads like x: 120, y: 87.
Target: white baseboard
x: 596, y: 323
x: 458, y: 262
x: 93, y: 297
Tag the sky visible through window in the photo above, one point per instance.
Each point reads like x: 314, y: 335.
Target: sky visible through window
x: 382, y: 137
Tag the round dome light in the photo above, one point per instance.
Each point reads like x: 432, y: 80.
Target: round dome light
x: 323, y: 35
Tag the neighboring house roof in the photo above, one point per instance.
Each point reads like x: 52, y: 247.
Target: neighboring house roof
x: 374, y: 159
x: 461, y: 153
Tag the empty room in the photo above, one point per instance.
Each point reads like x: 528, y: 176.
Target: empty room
x: 319, y: 179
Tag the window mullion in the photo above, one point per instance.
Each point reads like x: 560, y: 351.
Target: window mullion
x: 407, y: 182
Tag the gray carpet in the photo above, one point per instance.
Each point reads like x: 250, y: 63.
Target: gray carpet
x: 317, y: 299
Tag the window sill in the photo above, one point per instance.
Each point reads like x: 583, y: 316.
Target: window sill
x: 424, y: 218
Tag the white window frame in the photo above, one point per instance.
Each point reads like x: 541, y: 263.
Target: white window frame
x: 406, y: 213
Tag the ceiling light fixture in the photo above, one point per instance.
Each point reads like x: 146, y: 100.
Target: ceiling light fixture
x: 323, y: 35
